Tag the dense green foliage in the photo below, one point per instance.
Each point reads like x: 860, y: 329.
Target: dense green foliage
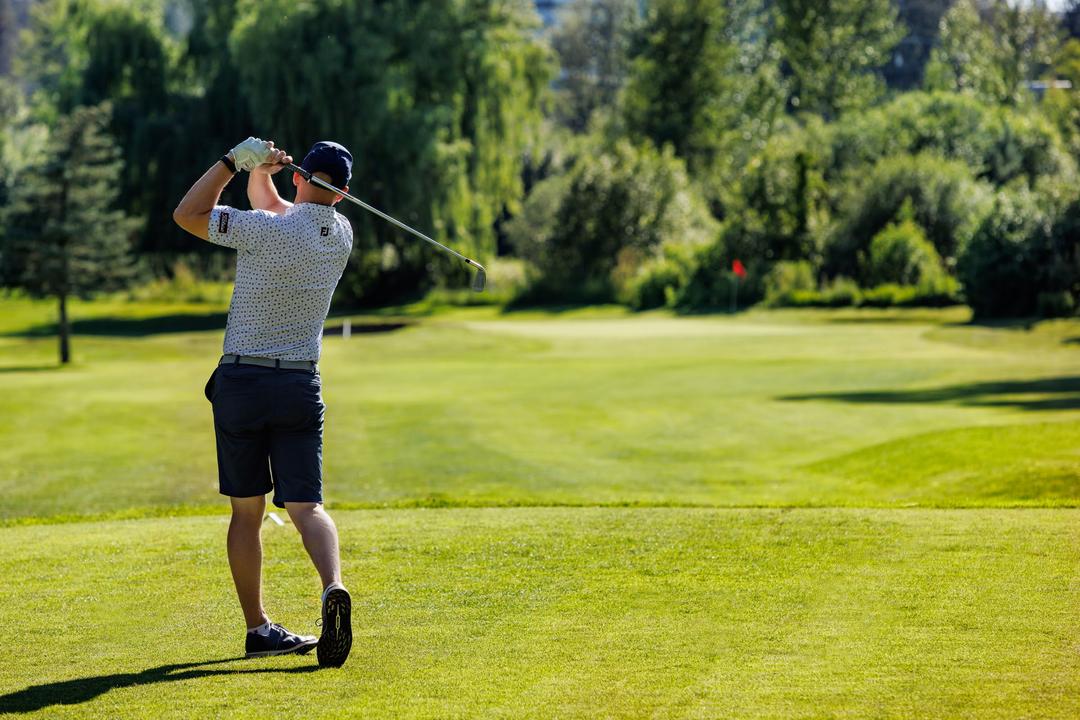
x: 803, y: 128
x: 901, y: 254
x: 592, y: 41
x: 437, y: 101
x: 832, y: 50
x: 610, y: 213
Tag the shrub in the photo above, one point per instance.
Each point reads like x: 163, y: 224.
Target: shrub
x: 787, y: 278
x: 889, y: 295
x: 1057, y: 303
x: 658, y: 282
x: 943, y: 199
x: 1000, y: 267
x: 710, y: 281
x: 842, y: 292
x: 587, y: 232
x: 939, y: 291
x: 901, y: 254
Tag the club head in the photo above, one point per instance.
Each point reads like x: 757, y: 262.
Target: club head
x: 479, y: 281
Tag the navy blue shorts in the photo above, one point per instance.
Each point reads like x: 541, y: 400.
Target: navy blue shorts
x: 269, y: 425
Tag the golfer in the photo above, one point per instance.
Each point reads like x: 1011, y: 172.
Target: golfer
x: 266, y: 390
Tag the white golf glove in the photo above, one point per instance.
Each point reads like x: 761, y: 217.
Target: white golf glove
x: 250, y: 154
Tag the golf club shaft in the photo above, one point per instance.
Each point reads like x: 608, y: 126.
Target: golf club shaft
x: 327, y: 186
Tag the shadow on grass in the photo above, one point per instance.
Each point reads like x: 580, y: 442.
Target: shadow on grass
x: 30, y: 368
x: 1061, y: 393
x: 80, y: 690
x: 133, y: 327
x: 367, y: 328
x: 162, y: 324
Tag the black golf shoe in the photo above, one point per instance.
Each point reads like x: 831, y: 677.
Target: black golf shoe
x: 278, y: 642
x: 336, y: 640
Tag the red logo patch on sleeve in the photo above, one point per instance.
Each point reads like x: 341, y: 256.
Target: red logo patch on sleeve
x: 223, y: 223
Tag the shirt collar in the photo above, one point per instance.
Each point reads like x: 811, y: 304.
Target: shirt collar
x: 311, y: 208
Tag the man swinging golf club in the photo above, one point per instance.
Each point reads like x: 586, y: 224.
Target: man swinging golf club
x: 266, y: 390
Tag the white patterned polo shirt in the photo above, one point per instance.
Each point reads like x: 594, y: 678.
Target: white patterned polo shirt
x: 287, y: 267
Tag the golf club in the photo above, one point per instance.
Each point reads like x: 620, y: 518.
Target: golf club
x: 481, y: 274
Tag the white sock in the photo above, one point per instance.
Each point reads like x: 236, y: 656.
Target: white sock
x: 330, y: 587
x: 263, y: 629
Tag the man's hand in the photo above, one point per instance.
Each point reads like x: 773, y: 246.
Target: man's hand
x: 278, y: 159
x: 251, y: 153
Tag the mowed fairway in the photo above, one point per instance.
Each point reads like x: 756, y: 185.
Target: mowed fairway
x: 584, y: 514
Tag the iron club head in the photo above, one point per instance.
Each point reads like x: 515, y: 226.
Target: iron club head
x: 479, y: 281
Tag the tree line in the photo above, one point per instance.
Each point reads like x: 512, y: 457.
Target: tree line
x: 850, y: 152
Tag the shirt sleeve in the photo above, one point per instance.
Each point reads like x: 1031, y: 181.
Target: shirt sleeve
x: 239, y: 229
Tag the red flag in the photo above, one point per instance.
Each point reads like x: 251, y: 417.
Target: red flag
x: 738, y: 268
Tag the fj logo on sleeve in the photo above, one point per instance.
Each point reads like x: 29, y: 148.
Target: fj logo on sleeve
x: 324, y: 231
x: 223, y: 223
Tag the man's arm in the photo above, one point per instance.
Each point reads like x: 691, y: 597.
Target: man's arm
x: 260, y: 189
x: 193, y: 212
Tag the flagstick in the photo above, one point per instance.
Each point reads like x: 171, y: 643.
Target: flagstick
x: 734, y: 293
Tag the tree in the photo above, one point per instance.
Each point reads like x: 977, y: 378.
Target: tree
x: 704, y: 80
x: 1002, y: 266
x: 1062, y: 104
x: 592, y: 41
x: 437, y: 101
x: 85, y: 52
x: 994, y: 53
x: 61, y: 236
x: 588, y: 232
x: 833, y: 50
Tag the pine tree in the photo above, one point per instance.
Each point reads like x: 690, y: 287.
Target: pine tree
x: 62, y: 238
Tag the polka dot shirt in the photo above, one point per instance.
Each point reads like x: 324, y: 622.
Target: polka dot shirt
x: 287, y: 267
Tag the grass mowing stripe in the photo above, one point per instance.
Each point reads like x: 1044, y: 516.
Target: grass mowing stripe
x: 565, y: 612
x: 438, y: 503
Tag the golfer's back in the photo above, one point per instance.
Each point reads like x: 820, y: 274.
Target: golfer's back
x: 287, y: 267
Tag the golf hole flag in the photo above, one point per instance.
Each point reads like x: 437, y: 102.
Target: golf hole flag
x: 738, y: 268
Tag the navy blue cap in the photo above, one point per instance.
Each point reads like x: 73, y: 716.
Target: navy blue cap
x: 332, y: 159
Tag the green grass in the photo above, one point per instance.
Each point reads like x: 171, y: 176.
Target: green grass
x: 564, y: 612
x: 584, y: 513
x: 592, y: 406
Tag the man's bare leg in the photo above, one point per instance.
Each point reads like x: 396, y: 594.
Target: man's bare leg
x: 320, y: 539
x: 245, y: 556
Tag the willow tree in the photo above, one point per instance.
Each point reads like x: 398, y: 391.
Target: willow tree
x: 437, y: 100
